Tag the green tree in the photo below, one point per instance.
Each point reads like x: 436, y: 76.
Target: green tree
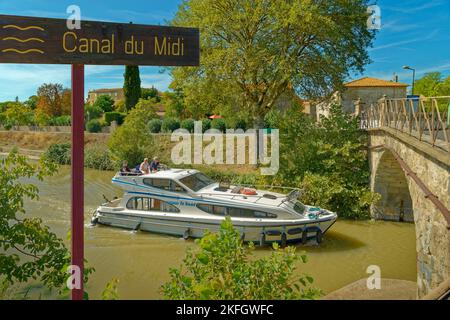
x: 328, y: 160
x: 255, y: 50
x: 29, y: 250
x: 17, y: 114
x: 105, y: 102
x: 131, y: 86
x: 132, y: 140
x: 432, y: 85
x: 32, y: 102
x: 428, y: 85
x: 222, y: 269
x: 150, y: 93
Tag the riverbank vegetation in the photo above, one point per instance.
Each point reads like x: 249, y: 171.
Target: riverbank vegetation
x: 222, y: 268
x: 30, y: 251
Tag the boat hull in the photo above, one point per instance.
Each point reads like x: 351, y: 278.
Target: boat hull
x: 261, y: 232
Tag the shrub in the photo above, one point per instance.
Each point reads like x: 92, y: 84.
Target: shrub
x: 93, y: 126
x: 114, y: 116
x: 132, y: 140
x: 92, y: 112
x: 60, y: 121
x: 59, y: 153
x: 219, y: 124
x: 206, y: 124
x: 188, y: 124
x: 222, y: 269
x: 170, y: 124
x: 241, y: 124
x: 98, y: 157
x: 105, y: 102
x: 272, y: 119
x: 154, y: 125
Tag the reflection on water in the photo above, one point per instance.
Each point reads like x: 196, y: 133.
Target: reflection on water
x: 141, y: 260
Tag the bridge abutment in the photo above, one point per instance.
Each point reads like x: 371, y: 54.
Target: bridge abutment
x: 399, y: 191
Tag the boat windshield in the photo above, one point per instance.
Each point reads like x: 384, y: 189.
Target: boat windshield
x: 197, y: 181
x: 299, y: 207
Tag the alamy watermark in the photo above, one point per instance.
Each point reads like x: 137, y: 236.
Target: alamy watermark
x: 374, y: 280
x: 374, y: 20
x: 233, y: 147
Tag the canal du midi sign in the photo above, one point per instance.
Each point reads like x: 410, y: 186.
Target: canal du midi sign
x: 49, y: 41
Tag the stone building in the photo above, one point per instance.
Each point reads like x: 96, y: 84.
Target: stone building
x: 368, y: 90
x: 115, y: 93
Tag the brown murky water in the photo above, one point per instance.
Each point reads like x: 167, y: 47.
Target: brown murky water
x: 141, y: 260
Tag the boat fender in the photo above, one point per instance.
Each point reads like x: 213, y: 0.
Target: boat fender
x: 283, y: 239
x: 243, y: 236
x: 319, y: 236
x: 187, y: 234
x: 249, y: 192
x: 262, y: 239
x: 138, y: 226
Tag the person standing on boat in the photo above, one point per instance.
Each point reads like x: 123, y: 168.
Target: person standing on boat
x: 154, y: 165
x: 145, y: 167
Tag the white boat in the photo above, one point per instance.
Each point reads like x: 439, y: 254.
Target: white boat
x: 185, y: 202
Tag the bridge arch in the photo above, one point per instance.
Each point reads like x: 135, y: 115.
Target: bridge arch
x: 391, y: 183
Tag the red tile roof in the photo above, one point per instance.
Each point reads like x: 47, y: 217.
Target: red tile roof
x: 373, y: 82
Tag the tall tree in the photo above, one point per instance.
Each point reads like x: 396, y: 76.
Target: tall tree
x: 256, y: 50
x: 50, y: 99
x: 432, y: 85
x: 131, y: 86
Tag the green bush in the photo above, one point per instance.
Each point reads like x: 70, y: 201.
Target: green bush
x: 241, y: 124
x: 223, y: 269
x: 61, y: 121
x: 188, y: 124
x: 59, y: 153
x: 94, y: 126
x: 105, y: 103
x: 114, y: 116
x: 154, y: 125
x: 272, y: 119
x: 206, y: 124
x: 92, y: 112
x: 98, y: 157
x: 170, y: 124
x: 219, y: 124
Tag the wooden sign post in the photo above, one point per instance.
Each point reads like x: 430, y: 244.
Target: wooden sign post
x: 49, y: 41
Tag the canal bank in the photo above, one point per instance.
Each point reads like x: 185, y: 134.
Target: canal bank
x: 141, y: 261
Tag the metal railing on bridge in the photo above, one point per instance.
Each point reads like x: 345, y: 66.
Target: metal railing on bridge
x: 426, y: 119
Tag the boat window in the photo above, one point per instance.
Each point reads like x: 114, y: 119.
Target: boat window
x: 150, y: 204
x: 299, y: 207
x: 197, y: 181
x: 235, y: 212
x: 164, y: 184
x: 205, y: 207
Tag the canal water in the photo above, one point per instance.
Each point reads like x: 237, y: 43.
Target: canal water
x: 141, y: 261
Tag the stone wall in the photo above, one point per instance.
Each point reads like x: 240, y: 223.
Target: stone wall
x: 432, y: 235
x: 369, y: 96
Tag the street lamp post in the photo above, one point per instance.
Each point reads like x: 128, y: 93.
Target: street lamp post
x: 414, y: 77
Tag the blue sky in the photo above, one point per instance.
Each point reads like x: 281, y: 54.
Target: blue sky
x: 414, y: 32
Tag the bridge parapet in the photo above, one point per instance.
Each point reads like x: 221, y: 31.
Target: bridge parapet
x: 426, y: 118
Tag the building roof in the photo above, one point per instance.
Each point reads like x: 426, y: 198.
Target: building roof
x: 106, y: 90
x: 373, y: 82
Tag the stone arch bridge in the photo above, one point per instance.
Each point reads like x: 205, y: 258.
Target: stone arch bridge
x: 409, y: 143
